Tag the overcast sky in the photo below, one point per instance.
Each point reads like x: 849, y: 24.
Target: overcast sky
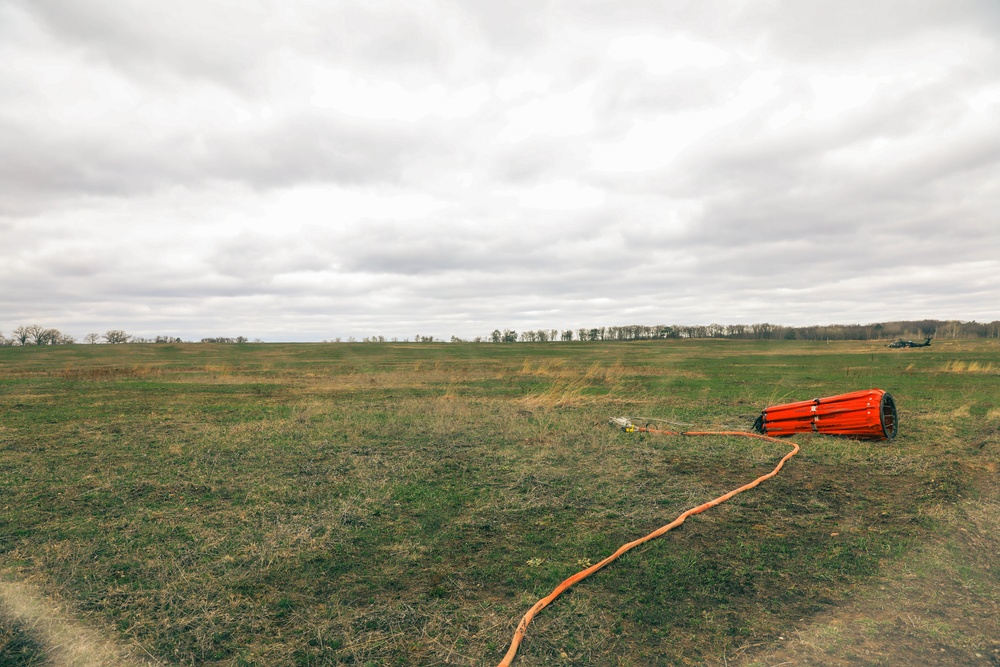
x: 296, y: 170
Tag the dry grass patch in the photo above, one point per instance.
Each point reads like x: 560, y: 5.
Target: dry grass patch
x: 544, y: 368
x: 563, y: 393
x: 958, y: 366
x: 606, y: 374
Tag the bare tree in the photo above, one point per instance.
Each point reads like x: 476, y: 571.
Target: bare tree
x: 92, y: 338
x: 21, y: 335
x: 53, y: 337
x: 35, y: 334
x: 116, y: 336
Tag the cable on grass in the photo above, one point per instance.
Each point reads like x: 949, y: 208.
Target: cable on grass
x: 583, y: 574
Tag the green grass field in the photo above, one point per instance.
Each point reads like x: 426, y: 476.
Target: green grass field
x: 384, y: 504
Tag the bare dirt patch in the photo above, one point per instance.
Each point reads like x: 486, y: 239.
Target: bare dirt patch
x: 35, y: 630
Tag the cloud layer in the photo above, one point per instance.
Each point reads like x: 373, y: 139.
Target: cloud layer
x: 300, y: 171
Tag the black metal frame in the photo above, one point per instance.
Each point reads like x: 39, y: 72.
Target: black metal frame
x: 888, y: 416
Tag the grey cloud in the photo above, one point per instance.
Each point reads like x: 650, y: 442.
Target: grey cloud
x: 214, y: 43
x: 259, y: 259
x: 759, y: 154
x: 766, y: 188
x: 708, y: 17
x: 124, y: 152
x: 808, y: 29
x: 539, y: 161
x: 407, y: 249
x: 236, y: 45
x: 46, y: 161
x: 635, y: 94
x: 320, y: 148
x: 395, y: 39
x: 830, y: 218
x: 514, y: 26
x: 972, y: 158
x: 384, y: 252
x: 49, y: 162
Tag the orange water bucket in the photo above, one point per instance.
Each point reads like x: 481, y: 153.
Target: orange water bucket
x: 868, y: 415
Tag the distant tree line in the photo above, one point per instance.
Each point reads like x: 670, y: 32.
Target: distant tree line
x: 760, y: 331
x: 37, y: 335
x: 948, y: 329
x: 34, y: 334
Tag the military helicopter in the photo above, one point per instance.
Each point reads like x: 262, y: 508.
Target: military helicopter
x: 909, y: 343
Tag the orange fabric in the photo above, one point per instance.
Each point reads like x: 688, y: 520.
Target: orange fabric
x: 857, y: 414
x: 583, y: 574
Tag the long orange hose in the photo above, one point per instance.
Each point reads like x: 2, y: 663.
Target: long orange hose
x: 583, y: 574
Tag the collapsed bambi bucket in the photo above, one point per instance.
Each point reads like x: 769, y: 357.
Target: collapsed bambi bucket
x: 869, y: 415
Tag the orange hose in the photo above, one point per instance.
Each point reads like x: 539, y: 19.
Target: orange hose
x: 583, y: 574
